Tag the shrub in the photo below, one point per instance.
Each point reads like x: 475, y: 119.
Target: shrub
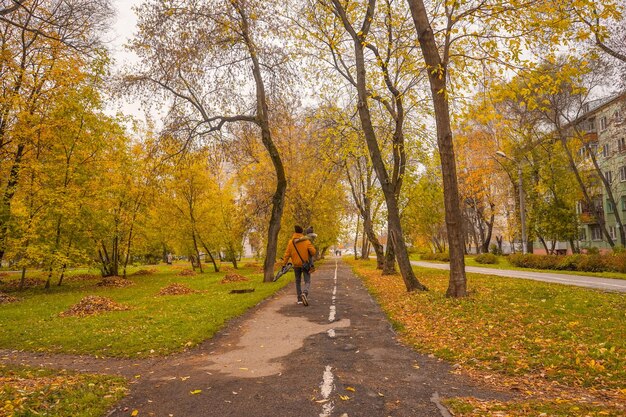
x: 617, y: 262
x: 534, y: 261
x: 545, y: 261
x: 592, y: 263
x: 568, y: 263
x: 495, y: 249
x: 487, y: 258
x: 520, y: 260
x: 437, y: 256
x: 579, y: 262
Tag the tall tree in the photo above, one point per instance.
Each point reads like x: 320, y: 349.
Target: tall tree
x: 203, y: 56
x: 362, y: 41
x: 38, y: 66
x: 436, y: 58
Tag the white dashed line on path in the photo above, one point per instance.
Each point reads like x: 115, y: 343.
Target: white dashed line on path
x: 333, y: 309
x: 327, y: 385
x: 326, y: 388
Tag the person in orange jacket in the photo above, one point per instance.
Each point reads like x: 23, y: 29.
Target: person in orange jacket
x: 300, y: 251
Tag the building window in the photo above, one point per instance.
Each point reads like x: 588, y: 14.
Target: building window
x: 591, y: 125
x: 603, y: 123
x: 622, y: 173
x: 605, y: 150
x: 618, y: 116
x: 609, y: 207
x: 612, y: 232
x: 596, y: 233
x: 609, y: 176
x: 582, y: 234
x: 621, y: 144
x: 623, y: 199
x: 580, y: 207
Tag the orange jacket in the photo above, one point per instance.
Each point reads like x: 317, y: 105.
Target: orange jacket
x: 305, y: 248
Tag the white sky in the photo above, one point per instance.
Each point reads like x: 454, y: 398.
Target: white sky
x: 124, y: 26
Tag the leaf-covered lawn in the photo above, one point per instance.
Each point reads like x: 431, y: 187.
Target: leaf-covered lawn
x: 538, y: 339
x: 154, y: 325
x: 33, y: 392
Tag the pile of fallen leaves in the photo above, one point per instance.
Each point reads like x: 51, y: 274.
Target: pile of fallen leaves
x: 257, y: 267
x: 187, y: 273
x: 6, y: 299
x: 115, y: 282
x: 14, y: 285
x: 142, y: 272
x: 93, y: 304
x: 176, y: 289
x: 234, y: 278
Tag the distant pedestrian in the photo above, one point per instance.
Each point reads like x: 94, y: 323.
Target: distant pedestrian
x: 300, y: 253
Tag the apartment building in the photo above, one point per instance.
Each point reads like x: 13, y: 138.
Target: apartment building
x: 604, y: 122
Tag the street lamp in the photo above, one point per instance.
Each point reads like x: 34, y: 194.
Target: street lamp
x: 522, y: 210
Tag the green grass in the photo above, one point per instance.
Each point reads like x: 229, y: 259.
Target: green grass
x: 31, y: 391
x: 523, y: 333
x: 155, y: 325
x: 503, y: 263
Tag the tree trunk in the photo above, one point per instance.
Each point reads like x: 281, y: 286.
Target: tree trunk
x: 263, y: 120
x: 544, y: 244
x: 487, y: 241
x: 499, y: 240
x: 197, y: 254
x: 575, y: 249
x: 356, y: 238
x: 437, y: 76
x: 387, y: 184
x: 389, y: 267
x: 364, y: 247
x: 130, y: 239
x: 378, y: 247
x: 234, y: 258
x: 9, y: 192
x: 215, y: 267
x: 365, y: 209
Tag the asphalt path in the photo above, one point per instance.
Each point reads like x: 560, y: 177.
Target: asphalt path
x: 338, y: 357
x: 606, y: 284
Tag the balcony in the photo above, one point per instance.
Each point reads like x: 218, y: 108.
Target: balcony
x: 590, y: 214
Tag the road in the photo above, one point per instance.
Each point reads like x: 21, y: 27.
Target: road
x: 606, y: 284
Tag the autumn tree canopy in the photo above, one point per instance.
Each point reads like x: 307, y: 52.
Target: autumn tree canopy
x: 296, y: 113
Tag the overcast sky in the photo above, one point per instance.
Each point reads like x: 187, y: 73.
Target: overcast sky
x: 123, y: 28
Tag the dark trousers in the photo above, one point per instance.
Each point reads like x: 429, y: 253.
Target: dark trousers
x: 307, y: 280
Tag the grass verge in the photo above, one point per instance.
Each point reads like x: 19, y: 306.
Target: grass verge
x: 32, y: 392
x: 154, y: 325
x: 552, y: 344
